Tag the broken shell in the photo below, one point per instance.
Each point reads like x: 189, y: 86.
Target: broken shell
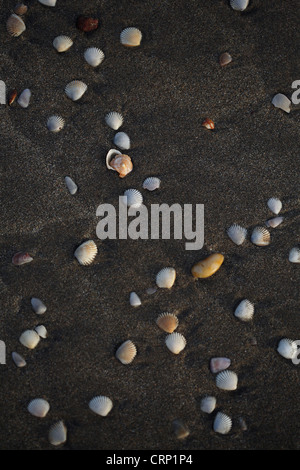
x: 24, y: 98
x: 282, y: 102
x: 15, y: 25
x: 287, y: 348
x: 21, y: 258
x: 208, y: 266
x: 175, y: 342
x: 131, y: 37
x: 275, y: 205
x: 227, y: 380
x: 208, y: 404
x: 208, y: 124
x: 38, y: 407
x: 260, y: 236
x: 62, y: 43
x: 75, y: 89
x: 114, y: 120
x: 245, y: 310
x: 294, y: 255
x: 71, y: 185
x: 180, y: 430
x: 134, y: 300
x: 237, y: 234
x: 48, y: 3
x: 119, y: 162
x: 86, y: 252
x: 219, y: 363
x: 151, y: 183
x: 55, y: 123
x: 18, y: 359
x: 93, y: 56
x: 274, y: 222
x: 20, y: 9
x: 222, y: 423
x: 239, y: 5
x: 126, y: 352
x: 134, y: 198
x: 121, y: 139
x: 41, y: 331
x: 166, y: 278
x: 29, y: 339
x: 87, y: 24
x: 101, y: 405
x: 12, y: 97
x: 168, y: 322
x: 225, y: 59
x: 38, y: 306
x: 57, y: 433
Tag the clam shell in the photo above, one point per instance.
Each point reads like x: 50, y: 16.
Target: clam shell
x: 227, y: 380
x: 208, y: 404
x: 38, y: 407
x: 260, y: 236
x: 93, y: 56
x: 166, y: 278
x: 175, y: 342
x: 274, y: 222
x: 282, y: 102
x: 275, y: 205
x: 101, y: 405
x: 222, y: 423
x: 167, y: 322
x: 208, y: 124
x: 75, y: 89
x: 287, y: 348
x: 21, y: 9
x: 29, y: 339
x: 15, y: 25
x: 114, y: 120
x: 239, y: 5
x: 208, y: 266
x: 180, y: 429
x: 245, y: 310
x: 126, y: 352
x: 55, y: 123
x: 121, y: 140
x: 62, y: 43
x: 225, y: 59
x: 18, y: 359
x: 237, y: 234
x: 86, y: 252
x: 24, y: 98
x: 134, y: 198
x: 21, y: 258
x: 38, y: 306
x: 57, y: 433
x: 48, y: 3
x: 151, y: 183
x: 119, y: 162
x: 134, y: 299
x: 219, y: 363
x: 131, y: 37
x: 71, y: 185
x: 294, y: 255
x: 41, y: 331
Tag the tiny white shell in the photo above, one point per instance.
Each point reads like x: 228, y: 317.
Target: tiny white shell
x: 15, y: 25
x: 245, y: 310
x: 55, y: 123
x: 101, y: 405
x: 175, y: 342
x: 134, y: 198
x: 18, y: 359
x: 274, y: 222
x: 93, y: 56
x: 287, y: 348
x: 86, y: 252
x: 166, y: 278
x: 38, y: 306
x: 275, y: 205
x: 294, y: 255
x: 151, y: 183
x: 134, y: 300
x: 237, y: 234
x: 75, y: 89
x: 24, y: 98
x: 62, y: 43
x: 57, y: 433
x: 208, y: 404
x: 114, y: 120
x: 227, y: 380
x: 29, y: 339
x: 222, y: 423
x: 260, y: 236
x: 121, y: 140
x: 38, y: 407
x: 239, y: 5
x: 282, y: 102
x: 126, y: 352
x: 71, y: 185
x: 48, y: 3
x: 131, y: 37
x: 41, y: 331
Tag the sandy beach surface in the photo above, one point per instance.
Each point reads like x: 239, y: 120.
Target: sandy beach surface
x: 164, y: 88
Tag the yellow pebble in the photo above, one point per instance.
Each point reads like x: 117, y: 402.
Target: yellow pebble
x: 208, y: 266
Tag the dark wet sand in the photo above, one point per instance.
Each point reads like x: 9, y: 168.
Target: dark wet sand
x: 165, y: 89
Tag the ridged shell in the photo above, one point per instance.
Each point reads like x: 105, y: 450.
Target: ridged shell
x: 114, y: 120
x: 166, y: 278
x: 131, y: 37
x: 237, y: 234
x: 222, y: 423
x: 275, y: 205
x: 245, y: 310
x: 294, y: 255
x: 55, y: 123
x: 219, y: 363
x: 180, y: 429
x: 134, y: 198
x: 134, y: 299
x: 151, y: 183
x: 94, y: 56
x: 227, y: 380
x: 75, y: 89
x: 38, y: 306
x: 21, y: 258
x: 18, y: 359
x: 260, y: 236
x: 15, y: 25
x: 239, y: 5
x: 86, y: 252
x: 121, y: 140
x: 208, y: 266
x: 175, y: 342
x: 41, y: 331
x: 274, y: 222
x: 167, y: 322
x: 287, y: 348
x: 126, y: 352
x: 57, y: 433
x: 119, y: 162
x: 62, y: 43
x: 101, y: 405
x: 48, y: 3
x: 208, y: 404
x: 38, y: 407
x: 29, y: 339
x: 225, y: 59
x: 24, y: 98
x: 71, y: 185
x: 282, y: 102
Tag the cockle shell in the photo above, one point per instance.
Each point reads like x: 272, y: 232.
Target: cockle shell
x: 134, y: 299
x: 21, y: 258
x: 18, y: 359
x: 227, y: 380
x: 274, y: 222
x: 71, y: 185
x: 86, y: 252
x: 167, y: 322
x: 101, y: 405
x: 62, y: 43
x: 114, y: 120
x: 208, y: 404
x: 41, y: 331
x: 131, y: 37
x: 237, y: 234
x: 94, y: 56
x: 15, y: 25
x: 29, y: 339
x: 222, y: 423
x: 55, y: 123
x: 121, y: 140
x: 134, y: 198
x: 239, y: 5
x: 57, y: 433
x: 38, y: 407
x: 126, y: 352
x: 151, y: 183
x: 48, y: 3
x: 275, y: 205
x: 208, y: 124
x: 287, y: 348
x: 75, y: 89
x: 175, y: 342
x: 119, y: 162
x: 165, y: 278
x: 260, y: 236
x: 180, y: 429
x: 21, y: 9
x: 219, y: 363
x: 294, y: 255
x: 24, y: 98
x: 225, y: 59
x: 38, y: 306
x: 208, y: 266
x: 282, y: 102
x: 244, y: 310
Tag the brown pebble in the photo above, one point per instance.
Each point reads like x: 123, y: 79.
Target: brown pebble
x: 86, y: 24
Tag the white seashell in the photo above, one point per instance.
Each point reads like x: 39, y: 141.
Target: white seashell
x: 71, y: 185
x: 110, y: 155
x: 131, y: 37
x: 294, y: 255
x: 57, y: 433
x: 275, y: 205
x: 239, y: 5
x: 121, y: 140
x: 38, y: 306
x: 175, y: 342
x: 166, y: 278
x: 86, y: 252
x: 222, y: 423
x: 18, y: 359
x: 41, y: 331
x: 126, y: 352
x: 245, y: 310
x: 237, y: 234
x: 134, y: 198
x: 24, y: 98
x: 282, y: 102
x: 62, y: 43
x: 274, y: 222
x: 134, y: 300
x: 219, y: 363
x: 101, y: 405
x: 48, y: 3
x: 93, y: 56
x: 29, y: 339
x: 227, y: 380
x: 208, y: 404
x: 114, y: 120
x: 151, y: 183
x: 260, y: 236
x: 287, y: 348
x: 38, y: 407
x: 55, y: 123
x: 15, y: 25
x: 75, y: 89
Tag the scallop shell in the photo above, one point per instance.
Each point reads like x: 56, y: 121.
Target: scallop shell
x: 237, y: 234
x: 21, y: 9
x: 57, y: 433
x: 208, y: 124
x: 245, y: 310
x: 121, y: 140
x: 48, y: 3
x: 38, y: 306
x: 134, y: 300
x: 225, y: 59
x: 114, y: 120
x: 294, y: 255
x: 180, y: 429
x: 101, y: 405
x: 239, y: 5
x: 175, y: 342
x: 93, y: 56
x: 151, y: 183
x: 134, y: 198
x: 75, y: 89
x: 275, y: 205
x: 219, y: 363
x: 55, y: 123
x: 15, y: 25
x: 227, y: 380
x: 24, y: 98
x: 168, y: 322
x: 126, y: 352
x: 18, y: 359
x: 166, y: 278
x: 282, y: 102
x: 260, y: 236
x: 222, y: 423
x: 71, y: 185
x: 208, y: 404
x: 274, y: 222
x: 29, y: 339
x: 287, y: 348
x: 41, y: 331
x: 62, y: 43
x: 86, y: 252
x: 119, y: 162
x: 21, y: 258
x: 208, y: 266
x: 131, y: 37
x: 38, y: 407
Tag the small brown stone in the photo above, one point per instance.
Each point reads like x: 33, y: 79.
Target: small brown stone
x: 86, y: 24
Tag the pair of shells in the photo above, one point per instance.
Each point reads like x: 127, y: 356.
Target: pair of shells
x: 282, y: 102
x: 55, y: 123
x: 294, y: 255
x: 38, y: 306
x: 24, y: 98
x: 239, y: 5
x: 175, y: 342
x: 287, y: 348
x: 165, y: 278
x: 131, y: 37
x: 245, y: 310
x: 15, y: 25
x: 126, y: 352
x: 101, y: 405
x: 227, y: 380
x: 94, y: 56
x: 58, y: 433
x: 62, y: 43
x: 86, y: 252
x: 38, y: 407
x: 119, y: 162
x: 260, y: 236
x: 208, y: 266
x: 75, y: 89
x: 167, y: 322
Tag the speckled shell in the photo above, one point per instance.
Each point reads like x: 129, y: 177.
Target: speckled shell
x: 57, y: 433
x: 227, y: 380
x: 75, y: 90
x: 126, y: 352
x: 122, y: 140
x: 119, y: 162
x: 15, y: 25
x: 62, y: 43
x: 29, y: 339
x: 239, y: 5
x: 294, y: 255
x: 114, y: 120
x: 237, y: 234
x: 38, y: 306
x: 222, y: 423
x: 134, y: 198
x: 175, y: 342
x: 282, y: 102
x: 38, y: 407
x: 101, y: 405
x: 245, y: 310
x: 287, y: 348
x: 167, y: 322
x: 94, y: 56
x: 165, y: 278
x: 55, y: 123
x: 208, y: 404
x: 260, y: 236
x: 208, y: 266
x: 131, y: 37
x: 86, y: 252
x: 275, y: 205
